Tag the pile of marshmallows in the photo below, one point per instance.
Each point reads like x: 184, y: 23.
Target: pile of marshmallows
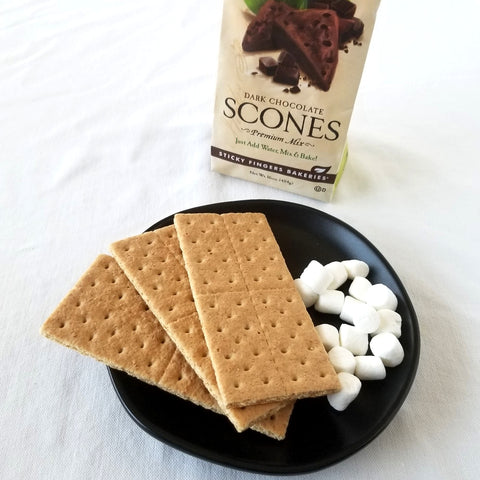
x: 371, y: 321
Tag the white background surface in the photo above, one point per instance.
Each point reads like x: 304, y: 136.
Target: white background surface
x: 105, y: 123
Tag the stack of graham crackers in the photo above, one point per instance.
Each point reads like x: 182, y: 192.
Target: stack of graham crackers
x: 205, y: 309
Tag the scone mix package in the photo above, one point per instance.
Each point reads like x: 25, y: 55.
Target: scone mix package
x: 288, y: 75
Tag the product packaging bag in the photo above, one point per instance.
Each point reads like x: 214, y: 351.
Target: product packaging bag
x: 288, y: 76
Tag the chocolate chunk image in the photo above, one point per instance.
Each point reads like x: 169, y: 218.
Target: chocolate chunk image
x: 258, y: 35
x: 286, y: 75
x: 349, y: 29
x: 344, y: 8
x: 287, y: 59
x: 311, y: 36
x: 287, y: 71
x: 267, y: 65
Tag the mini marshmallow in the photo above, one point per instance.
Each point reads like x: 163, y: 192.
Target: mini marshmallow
x: 339, y: 273
x: 350, y: 387
x: 390, y: 321
x: 359, y: 287
x: 353, y: 339
x: 369, y: 367
x: 366, y: 319
x: 358, y: 313
x: 316, y: 276
x: 342, y: 359
x: 356, y: 268
x: 328, y: 335
x: 330, y: 301
x: 309, y: 297
x: 351, y: 306
x: 380, y: 297
x: 387, y: 346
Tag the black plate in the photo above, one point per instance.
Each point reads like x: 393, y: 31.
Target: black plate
x: 317, y: 435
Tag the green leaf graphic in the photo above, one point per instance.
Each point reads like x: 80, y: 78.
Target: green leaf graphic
x: 255, y: 5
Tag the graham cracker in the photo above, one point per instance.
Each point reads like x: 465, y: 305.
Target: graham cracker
x: 153, y: 262
x: 261, y: 339
x: 104, y: 317
x: 275, y: 425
